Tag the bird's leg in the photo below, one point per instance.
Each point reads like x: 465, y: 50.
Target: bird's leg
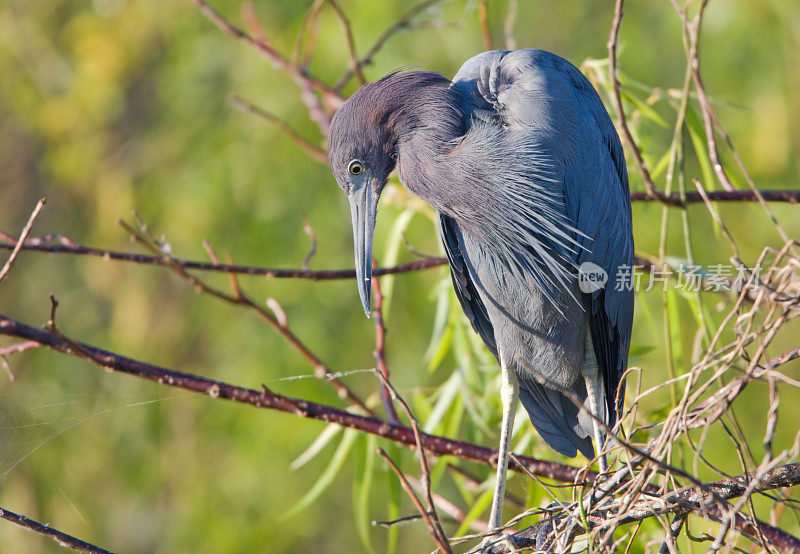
x: 509, y: 394
x: 591, y: 376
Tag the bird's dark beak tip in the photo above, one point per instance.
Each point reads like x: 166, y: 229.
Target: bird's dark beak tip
x: 366, y: 300
x: 363, y: 207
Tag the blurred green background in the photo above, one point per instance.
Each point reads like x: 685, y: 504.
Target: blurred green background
x: 109, y: 106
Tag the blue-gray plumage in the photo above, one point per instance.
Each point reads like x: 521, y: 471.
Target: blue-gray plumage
x: 521, y: 161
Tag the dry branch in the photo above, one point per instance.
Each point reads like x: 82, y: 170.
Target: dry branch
x: 613, y: 42
x: 434, y: 527
x: 402, y: 23
x: 317, y: 154
x: 702, y: 501
x: 380, y: 351
x: 65, y: 540
x: 63, y: 245
x: 239, y: 298
x: 630, y: 495
x: 437, y: 445
x: 18, y: 243
x: 355, y: 65
x: 308, y: 85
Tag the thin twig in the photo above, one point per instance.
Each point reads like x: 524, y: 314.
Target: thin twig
x: 425, y: 478
x: 380, y: 351
x: 452, y: 511
x: 691, y: 39
x: 306, y: 41
x: 317, y: 154
x: 26, y: 230
x: 355, y: 65
x: 791, y: 196
x: 241, y: 299
x: 432, y: 523
x: 396, y: 521
x: 673, y: 531
x: 18, y: 347
x: 613, y: 70
x: 692, y: 29
x: 263, y: 47
x: 308, y: 85
x: 66, y: 247
x: 402, y: 23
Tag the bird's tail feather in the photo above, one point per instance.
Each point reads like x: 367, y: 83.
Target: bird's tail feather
x: 556, y: 418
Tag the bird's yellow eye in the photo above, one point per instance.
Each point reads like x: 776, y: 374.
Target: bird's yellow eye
x: 355, y: 167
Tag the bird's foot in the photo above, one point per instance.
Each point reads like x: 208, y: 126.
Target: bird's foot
x: 543, y: 533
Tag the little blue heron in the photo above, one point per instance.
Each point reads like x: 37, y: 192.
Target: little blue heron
x: 522, y: 163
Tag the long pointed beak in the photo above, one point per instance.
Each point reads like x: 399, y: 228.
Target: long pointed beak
x: 363, y: 209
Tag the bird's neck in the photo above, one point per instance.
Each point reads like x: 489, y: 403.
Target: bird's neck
x: 428, y: 163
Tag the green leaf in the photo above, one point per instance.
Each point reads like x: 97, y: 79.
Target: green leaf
x: 395, y: 498
x: 442, y: 349
x: 441, y: 334
x: 465, y: 490
x: 392, y: 253
x: 644, y: 308
x: 660, y: 166
x: 483, y: 502
x: 674, y: 320
x: 422, y: 407
x: 641, y: 350
x: 448, y: 392
x: 697, y: 134
x: 643, y: 107
x: 475, y: 418
x: 363, y: 484
x: 456, y: 417
x: 316, y: 447
x: 327, y: 476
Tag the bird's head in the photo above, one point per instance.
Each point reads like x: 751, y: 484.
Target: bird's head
x: 363, y: 143
x: 362, y: 150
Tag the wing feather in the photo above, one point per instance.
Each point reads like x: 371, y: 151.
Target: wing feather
x: 465, y: 289
x: 547, y: 99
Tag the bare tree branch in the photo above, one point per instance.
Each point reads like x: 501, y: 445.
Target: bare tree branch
x: 402, y: 23
x: 380, y: 351
x: 792, y: 196
x: 241, y: 299
x: 317, y: 154
x: 434, y: 528
x: 613, y: 42
x: 26, y: 230
x: 62, y: 245
x: 434, y: 444
x: 355, y: 64
x: 65, y: 540
x: 308, y: 84
x: 437, y: 445
x: 423, y: 460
